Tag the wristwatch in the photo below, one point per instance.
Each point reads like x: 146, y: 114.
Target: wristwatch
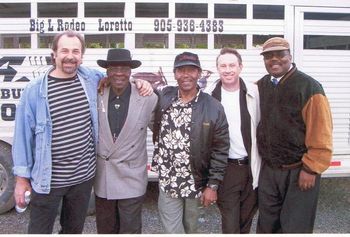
x: 213, y: 187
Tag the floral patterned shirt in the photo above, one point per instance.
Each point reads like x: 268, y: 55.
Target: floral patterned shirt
x: 175, y: 176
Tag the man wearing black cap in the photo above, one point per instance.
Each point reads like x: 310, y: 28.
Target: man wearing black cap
x: 121, y: 174
x: 191, y: 147
x: 294, y: 140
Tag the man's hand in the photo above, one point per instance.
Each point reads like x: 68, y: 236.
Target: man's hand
x: 144, y: 87
x: 306, y: 181
x: 209, y: 197
x: 22, y: 185
x: 102, y: 84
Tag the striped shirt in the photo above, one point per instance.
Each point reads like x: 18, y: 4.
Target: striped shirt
x: 73, y: 152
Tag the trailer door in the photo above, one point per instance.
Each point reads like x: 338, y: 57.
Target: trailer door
x: 322, y: 50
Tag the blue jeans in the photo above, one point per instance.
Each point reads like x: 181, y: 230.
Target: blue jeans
x: 44, y: 209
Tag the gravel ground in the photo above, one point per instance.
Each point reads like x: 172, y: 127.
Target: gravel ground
x: 333, y: 214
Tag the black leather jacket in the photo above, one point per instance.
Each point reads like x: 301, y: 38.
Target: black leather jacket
x: 209, y: 136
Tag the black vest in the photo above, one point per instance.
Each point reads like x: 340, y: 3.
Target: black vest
x: 245, y: 116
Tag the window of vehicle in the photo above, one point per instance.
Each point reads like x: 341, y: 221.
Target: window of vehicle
x: 105, y: 41
x: 232, y: 41
x: 15, y: 10
x: 151, y: 41
x: 327, y: 16
x: 93, y: 9
x: 193, y: 10
x: 57, y: 9
x: 327, y: 42
x: 152, y: 10
x: 230, y: 11
x: 268, y: 12
x: 259, y: 40
x: 193, y: 41
x: 15, y: 41
x: 45, y: 41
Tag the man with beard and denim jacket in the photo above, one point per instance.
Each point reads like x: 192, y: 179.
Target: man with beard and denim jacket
x: 55, y: 139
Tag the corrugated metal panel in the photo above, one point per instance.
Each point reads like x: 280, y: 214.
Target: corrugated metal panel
x: 336, y: 82
x: 331, y: 68
x: 335, y: 79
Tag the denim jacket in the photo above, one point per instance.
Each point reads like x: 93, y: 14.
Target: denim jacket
x: 31, y: 148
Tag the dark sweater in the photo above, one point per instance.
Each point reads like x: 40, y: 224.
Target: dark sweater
x: 296, y: 123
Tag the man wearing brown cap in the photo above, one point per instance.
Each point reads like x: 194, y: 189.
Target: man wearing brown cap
x: 294, y: 140
x: 192, y: 142
x: 121, y: 173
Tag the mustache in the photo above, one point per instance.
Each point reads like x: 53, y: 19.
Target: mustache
x: 69, y: 60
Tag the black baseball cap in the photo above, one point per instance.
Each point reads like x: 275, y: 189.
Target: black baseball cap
x: 187, y: 59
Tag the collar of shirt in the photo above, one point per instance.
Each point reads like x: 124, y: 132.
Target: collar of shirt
x: 279, y: 78
x: 195, y: 99
x: 242, y: 86
x: 125, y: 96
x: 62, y: 79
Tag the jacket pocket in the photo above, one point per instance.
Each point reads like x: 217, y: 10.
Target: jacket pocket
x: 39, y: 151
x: 135, y: 163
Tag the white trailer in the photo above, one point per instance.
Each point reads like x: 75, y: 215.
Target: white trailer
x: 155, y: 31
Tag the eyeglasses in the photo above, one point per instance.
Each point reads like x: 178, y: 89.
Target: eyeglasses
x: 118, y: 69
x: 278, y: 54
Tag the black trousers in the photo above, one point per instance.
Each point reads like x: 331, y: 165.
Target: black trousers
x: 237, y: 201
x: 44, y: 209
x: 283, y: 207
x: 123, y: 216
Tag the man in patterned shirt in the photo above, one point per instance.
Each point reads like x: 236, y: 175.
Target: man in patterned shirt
x: 191, y: 147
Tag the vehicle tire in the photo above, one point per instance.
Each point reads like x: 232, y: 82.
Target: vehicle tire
x: 7, y: 179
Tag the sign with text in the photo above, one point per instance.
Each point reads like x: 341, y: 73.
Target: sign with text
x: 91, y: 25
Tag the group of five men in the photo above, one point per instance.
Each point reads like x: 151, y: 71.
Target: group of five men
x: 243, y: 146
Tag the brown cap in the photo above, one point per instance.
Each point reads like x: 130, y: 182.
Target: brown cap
x: 275, y: 44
